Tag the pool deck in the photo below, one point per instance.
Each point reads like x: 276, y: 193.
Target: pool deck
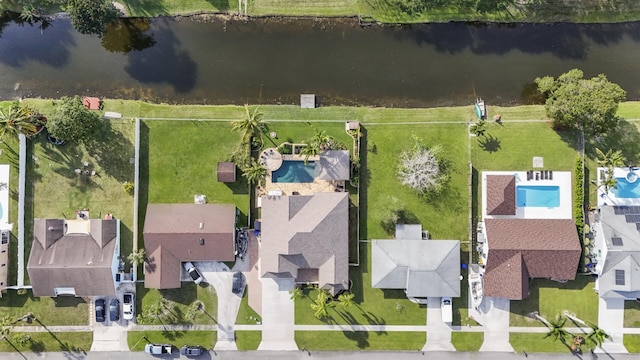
x: 609, y: 198
x: 302, y: 188
x: 561, y: 179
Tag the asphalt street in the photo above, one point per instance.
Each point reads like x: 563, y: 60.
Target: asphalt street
x: 300, y: 355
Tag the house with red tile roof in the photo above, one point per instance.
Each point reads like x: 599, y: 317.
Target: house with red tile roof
x: 527, y: 231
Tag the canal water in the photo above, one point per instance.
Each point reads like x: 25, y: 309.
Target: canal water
x: 274, y: 60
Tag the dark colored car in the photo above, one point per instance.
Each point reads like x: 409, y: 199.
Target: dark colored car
x: 191, y: 350
x: 114, y: 310
x: 238, y: 283
x: 100, y: 310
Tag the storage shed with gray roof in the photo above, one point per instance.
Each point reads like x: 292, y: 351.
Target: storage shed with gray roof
x: 175, y: 233
x: 68, y: 261
x: 306, y: 237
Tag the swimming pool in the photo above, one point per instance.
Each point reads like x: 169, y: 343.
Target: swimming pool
x: 626, y: 189
x: 537, y: 196
x: 294, y: 171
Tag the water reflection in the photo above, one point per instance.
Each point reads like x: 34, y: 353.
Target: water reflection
x: 125, y: 35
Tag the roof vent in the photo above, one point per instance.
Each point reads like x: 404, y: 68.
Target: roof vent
x: 201, y: 241
x: 201, y: 225
x: 89, y: 263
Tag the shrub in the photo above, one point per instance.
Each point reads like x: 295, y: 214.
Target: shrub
x: 128, y: 187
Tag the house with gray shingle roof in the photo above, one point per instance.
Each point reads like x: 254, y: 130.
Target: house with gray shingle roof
x: 422, y: 268
x: 523, y: 237
x: 616, y: 252
x: 333, y: 165
x: 306, y: 238
x: 74, y: 257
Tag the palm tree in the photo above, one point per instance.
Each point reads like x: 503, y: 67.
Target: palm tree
x: 321, y: 138
x: 22, y: 339
x: 254, y: 173
x: 296, y: 293
x: 609, y: 181
x: 557, y: 330
x: 536, y: 315
x: 321, y: 305
x: 137, y: 257
x: 346, y: 300
x: 610, y: 159
x: 597, y: 336
x: 5, y: 326
x: 18, y: 120
x: 312, y: 149
x: 479, y: 128
x: 251, y: 126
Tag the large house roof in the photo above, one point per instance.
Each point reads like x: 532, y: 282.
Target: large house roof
x: 423, y: 268
x: 185, y: 232
x: 501, y: 195
x: 622, y: 239
x: 306, y: 237
x: 81, y: 260
x: 523, y: 248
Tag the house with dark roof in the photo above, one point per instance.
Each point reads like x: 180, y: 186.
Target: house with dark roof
x: 74, y: 257
x: 422, y: 268
x: 616, y: 252
x: 527, y: 231
x: 333, y: 165
x: 176, y: 233
x: 306, y: 238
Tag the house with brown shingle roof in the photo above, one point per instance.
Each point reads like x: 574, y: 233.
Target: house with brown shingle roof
x: 74, y: 257
x: 176, y: 233
x: 306, y: 238
x: 525, y: 239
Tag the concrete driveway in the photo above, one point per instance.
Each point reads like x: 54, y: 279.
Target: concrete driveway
x: 277, y: 323
x: 494, y: 315
x: 611, y: 320
x: 110, y: 335
x: 438, y: 333
x: 218, y: 275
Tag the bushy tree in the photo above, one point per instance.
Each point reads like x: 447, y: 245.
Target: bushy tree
x: 71, y: 121
x: 92, y: 16
x: 589, y: 105
x: 422, y: 170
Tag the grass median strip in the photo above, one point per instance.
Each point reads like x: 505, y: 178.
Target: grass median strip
x: 73, y: 343
x: 359, y: 340
x: 138, y: 339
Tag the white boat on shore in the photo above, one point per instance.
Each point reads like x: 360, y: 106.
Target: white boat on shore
x: 475, y: 285
x: 481, y: 109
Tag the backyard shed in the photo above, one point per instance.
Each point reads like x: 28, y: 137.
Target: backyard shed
x: 226, y: 172
x: 91, y: 103
x: 307, y: 101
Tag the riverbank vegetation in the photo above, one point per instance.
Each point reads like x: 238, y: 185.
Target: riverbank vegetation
x: 385, y: 11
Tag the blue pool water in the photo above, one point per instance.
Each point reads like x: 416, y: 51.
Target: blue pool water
x: 293, y: 171
x: 626, y: 189
x: 537, y: 196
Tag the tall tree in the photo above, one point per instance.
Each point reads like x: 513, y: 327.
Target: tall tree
x: 92, y: 16
x: 597, y: 336
x: 557, y: 330
x: 321, y: 305
x: 254, y: 173
x: 137, y: 257
x: 479, y: 129
x: 610, y: 159
x: 71, y: 121
x: 19, y: 119
x: 251, y: 126
x: 589, y: 105
x: 346, y: 300
x: 311, y: 150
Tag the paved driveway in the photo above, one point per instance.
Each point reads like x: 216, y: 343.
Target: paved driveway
x: 438, y: 333
x: 278, y: 321
x: 111, y: 335
x: 611, y: 320
x: 494, y: 315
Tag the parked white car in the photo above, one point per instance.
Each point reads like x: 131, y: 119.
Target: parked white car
x: 193, y: 272
x: 447, y: 310
x: 128, y: 306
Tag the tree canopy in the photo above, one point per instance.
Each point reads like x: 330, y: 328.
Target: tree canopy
x: 586, y: 104
x: 72, y: 122
x: 423, y: 169
x: 92, y: 16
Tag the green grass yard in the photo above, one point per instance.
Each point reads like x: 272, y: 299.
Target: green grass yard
x: 74, y: 344
x: 181, y: 299
x: 248, y: 340
x: 138, y: 339
x: 550, y: 298
x: 536, y: 343
x: 467, y: 341
x: 632, y: 343
x: 359, y: 340
x: 631, y: 314
x: 49, y: 311
x: 246, y: 315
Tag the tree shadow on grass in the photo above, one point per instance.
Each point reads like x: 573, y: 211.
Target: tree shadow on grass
x: 173, y: 335
x: 489, y: 143
x: 361, y: 338
x: 398, y: 216
x: 113, y: 152
x: 625, y: 138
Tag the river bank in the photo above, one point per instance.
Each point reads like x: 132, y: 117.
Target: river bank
x: 383, y: 11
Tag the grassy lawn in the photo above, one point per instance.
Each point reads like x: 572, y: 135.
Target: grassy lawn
x: 74, y: 344
x: 551, y: 298
x: 148, y: 8
x: 304, y: 7
x: 467, y: 341
x: 632, y: 343
x: 246, y: 315
x: 359, y: 340
x: 248, y: 340
x: 631, y: 314
x: 49, y: 311
x: 535, y: 342
x: 180, y: 300
x: 138, y: 339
